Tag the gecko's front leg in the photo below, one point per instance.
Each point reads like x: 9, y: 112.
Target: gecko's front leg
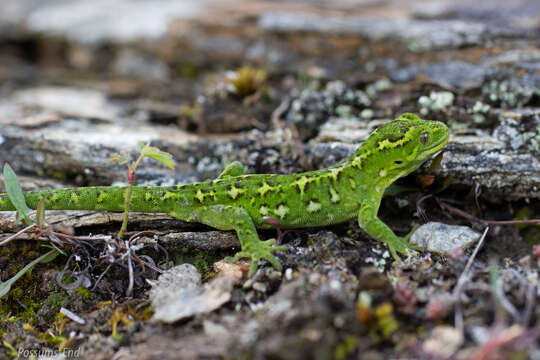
x: 368, y: 220
x: 228, y: 217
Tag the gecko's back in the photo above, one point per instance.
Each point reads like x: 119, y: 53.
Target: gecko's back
x: 297, y: 200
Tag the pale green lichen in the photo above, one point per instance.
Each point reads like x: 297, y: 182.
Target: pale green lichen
x: 343, y: 111
x: 370, y: 66
x: 366, y: 114
x: 456, y: 126
x: 532, y: 138
x: 373, y: 89
x: 479, y: 112
x: 509, y: 94
x: 437, y: 101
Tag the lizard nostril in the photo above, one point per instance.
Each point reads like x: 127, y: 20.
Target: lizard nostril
x: 398, y: 162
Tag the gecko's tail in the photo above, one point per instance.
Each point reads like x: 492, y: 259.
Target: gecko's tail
x: 108, y: 198
x: 103, y: 198
x: 5, y: 203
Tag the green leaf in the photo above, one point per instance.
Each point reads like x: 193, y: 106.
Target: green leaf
x: 15, y: 194
x: 40, y: 214
x: 6, y: 286
x: 119, y: 158
x: 435, y: 163
x: 161, y: 156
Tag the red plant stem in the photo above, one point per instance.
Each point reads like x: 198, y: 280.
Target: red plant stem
x: 486, y: 222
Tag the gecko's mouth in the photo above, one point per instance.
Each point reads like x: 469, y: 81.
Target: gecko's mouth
x: 438, y: 145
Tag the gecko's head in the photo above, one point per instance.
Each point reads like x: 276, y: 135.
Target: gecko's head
x: 400, y: 146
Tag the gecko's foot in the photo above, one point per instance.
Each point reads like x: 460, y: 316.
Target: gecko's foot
x: 257, y: 251
x: 400, y: 246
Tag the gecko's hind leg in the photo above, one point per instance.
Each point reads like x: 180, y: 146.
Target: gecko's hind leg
x: 227, y: 217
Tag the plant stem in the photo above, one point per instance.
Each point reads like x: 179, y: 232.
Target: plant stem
x: 127, y: 196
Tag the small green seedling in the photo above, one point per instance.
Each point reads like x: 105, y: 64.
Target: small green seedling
x: 145, y: 151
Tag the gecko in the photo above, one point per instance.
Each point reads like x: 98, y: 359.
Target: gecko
x: 351, y: 189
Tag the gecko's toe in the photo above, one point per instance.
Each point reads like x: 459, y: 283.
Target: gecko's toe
x: 400, y: 246
x: 260, y: 250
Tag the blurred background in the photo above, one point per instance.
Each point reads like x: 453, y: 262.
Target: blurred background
x: 283, y: 87
x: 88, y: 74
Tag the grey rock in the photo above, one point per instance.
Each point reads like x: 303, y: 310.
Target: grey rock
x: 419, y: 35
x: 503, y: 171
x: 178, y: 294
x: 312, y: 108
x: 73, y: 102
x: 441, y: 238
x: 516, y: 56
x: 458, y: 74
x: 443, y: 341
x: 453, y: 75
x: 91, y: 21
x: 508, y: 132
x: 132, y: 63
x: 512, y: 92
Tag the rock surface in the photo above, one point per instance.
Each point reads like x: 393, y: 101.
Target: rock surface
x: 443, y: 238
x: 178, y: 293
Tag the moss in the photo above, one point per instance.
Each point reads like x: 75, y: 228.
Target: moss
x: 84, y: 292
x: 11, y: 351
x: 187, y: 70
x: 247, y: 80
x: 58, y: 175
x: 25, y: 297
x: 67, y: 279
x: 202, y: 260
x: 385, y: 320
x: 190, y: 111
x: 57, y: 299
x: 346, y: 348
x: 529, y: 232
x: 48, y: 336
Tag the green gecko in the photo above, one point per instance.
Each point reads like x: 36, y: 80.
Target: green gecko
x: 350, y: 189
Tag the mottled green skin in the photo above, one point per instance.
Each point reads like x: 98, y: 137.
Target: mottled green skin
x: 350, y: 189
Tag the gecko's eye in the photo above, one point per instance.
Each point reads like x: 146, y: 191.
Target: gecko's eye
x: 424, y: 138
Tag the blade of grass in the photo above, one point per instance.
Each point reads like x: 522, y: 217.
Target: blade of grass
x: 40, y: 214
x: 15, y: 194
x: 6, y: 285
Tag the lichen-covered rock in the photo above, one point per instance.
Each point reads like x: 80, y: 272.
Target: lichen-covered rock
x: 311, y: 108
x: 442, y: 238
x: 178, y: 294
